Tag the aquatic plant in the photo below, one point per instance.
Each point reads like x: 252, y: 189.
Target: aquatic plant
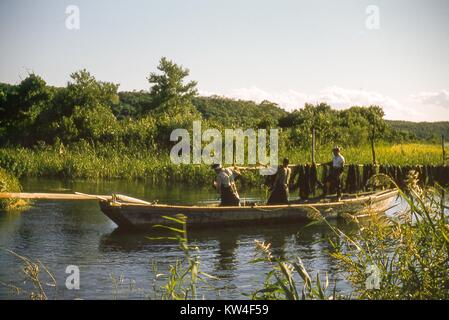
x: 280, y: 282
x: 37, y: 279
x: 84, y: 161
x: 405, y: 256
x: 181, y: 280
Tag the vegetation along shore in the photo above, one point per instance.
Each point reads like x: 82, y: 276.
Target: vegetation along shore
x: 90, y: 130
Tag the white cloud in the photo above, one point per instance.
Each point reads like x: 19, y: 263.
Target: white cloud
x: 344, y: 98
x: 335, y: 96
x: 440, y: 98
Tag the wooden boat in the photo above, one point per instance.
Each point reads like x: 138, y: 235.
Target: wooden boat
x: 145, y: 215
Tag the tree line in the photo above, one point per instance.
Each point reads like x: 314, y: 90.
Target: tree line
x: 89, y: 111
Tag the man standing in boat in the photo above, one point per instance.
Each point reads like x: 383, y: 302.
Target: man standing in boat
x: 336, y: 170
x: 225, y: 185
x: 279, y: 189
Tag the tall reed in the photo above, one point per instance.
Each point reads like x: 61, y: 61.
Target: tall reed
x: 181, y: 280
x: 280, y: 282
x: 407, y: 254
x: 37, y: 279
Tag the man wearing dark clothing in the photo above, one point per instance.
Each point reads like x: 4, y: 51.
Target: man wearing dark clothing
x: 279, y: 193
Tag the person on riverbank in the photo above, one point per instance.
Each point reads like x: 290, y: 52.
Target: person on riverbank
x: 225, y: 185
x: 279, y: 189
x: 336, y: 170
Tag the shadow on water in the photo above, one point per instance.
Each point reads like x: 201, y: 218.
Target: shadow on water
x: 287, y: 240
x: 131, y: 240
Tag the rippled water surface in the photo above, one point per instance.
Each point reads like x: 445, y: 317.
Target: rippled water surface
x: 114, y: 264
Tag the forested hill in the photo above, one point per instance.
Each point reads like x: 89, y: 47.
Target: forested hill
x: 242, y: 113
x: 245, y: 113
x: 218, y: 109
x: 239, y: 112
x: 422, y: 130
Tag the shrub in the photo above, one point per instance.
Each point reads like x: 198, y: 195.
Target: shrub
x: 9, y: 183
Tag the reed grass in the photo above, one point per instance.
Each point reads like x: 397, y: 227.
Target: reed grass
x: 280, y: 282
x: 181, y: 280
x: 106, y: 162
x: 37, y: 282
x: 91, y: 165
x: 409, y: 251
x: 391, y: 154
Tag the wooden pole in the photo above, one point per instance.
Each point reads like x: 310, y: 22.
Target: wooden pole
x: 51, y: 196
x: 372, y: 147
x: 69, y: 196
x: 124, y: 198
x: 444, y: 151
x: 313, y: 146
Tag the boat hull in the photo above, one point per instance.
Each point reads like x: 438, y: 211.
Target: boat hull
x: 132, y: 215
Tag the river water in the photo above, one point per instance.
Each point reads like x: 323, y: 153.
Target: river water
x: 114, y: 264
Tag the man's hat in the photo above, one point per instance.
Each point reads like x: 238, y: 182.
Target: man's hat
x: 216, y: 166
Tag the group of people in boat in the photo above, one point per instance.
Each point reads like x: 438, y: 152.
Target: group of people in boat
x: 226, y: 178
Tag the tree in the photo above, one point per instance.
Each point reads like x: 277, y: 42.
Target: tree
x: 26, y: 99
x: 171, y: 99
x: 85, y: 91
x: 168, y: 90
x: 353, y: 126
x: 95, y: 124
x: 229, y: 113
x: 377, y: 125
x: 132, y: 104
x: 319, y: 117
x: 83, y: 96
x: 21, y: 107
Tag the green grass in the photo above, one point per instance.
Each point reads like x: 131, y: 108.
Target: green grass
x: 9, y: 183
x: 108, y: 163
x: 90, y: 165
x: 398, y: 154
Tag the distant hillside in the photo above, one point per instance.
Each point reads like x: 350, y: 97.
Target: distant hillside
x: 431, y: 131
x: 225, y: 111
x: 240, y: 113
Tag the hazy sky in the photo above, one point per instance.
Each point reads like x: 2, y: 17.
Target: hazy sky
x: 289, y: 52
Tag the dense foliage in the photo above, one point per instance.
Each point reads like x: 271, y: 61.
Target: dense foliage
x: 424, y: 131
x: 9, y: 183
x: 94, y: 112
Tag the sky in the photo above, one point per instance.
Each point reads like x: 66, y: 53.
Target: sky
x: 392, y: 53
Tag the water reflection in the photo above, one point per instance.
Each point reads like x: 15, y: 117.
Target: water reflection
x: 222, y: 245
x: 64, y: 233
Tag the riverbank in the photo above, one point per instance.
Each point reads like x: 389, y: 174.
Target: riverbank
x: 9, y: 183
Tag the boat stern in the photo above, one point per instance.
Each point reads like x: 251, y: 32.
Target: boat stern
x: 113, y: 211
